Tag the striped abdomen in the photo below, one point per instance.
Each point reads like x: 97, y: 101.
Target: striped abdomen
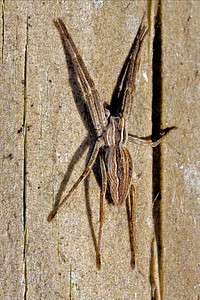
x: 119, y: 171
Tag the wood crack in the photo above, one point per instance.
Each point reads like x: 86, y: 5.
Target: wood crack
x: 3, y: 29
x: 25, y: 158
x: 156, y: 268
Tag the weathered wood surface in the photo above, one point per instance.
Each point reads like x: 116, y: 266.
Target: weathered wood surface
x: 43, y: 127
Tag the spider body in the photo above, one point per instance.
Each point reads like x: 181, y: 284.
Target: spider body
x: 112, y: 135
x: 118, y: 161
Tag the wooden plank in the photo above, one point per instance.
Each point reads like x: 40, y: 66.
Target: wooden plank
x: 57, y: 260
x: 181, y: 154
x: 13, y: 44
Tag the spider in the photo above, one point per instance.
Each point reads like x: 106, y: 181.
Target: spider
x: 112, y: 134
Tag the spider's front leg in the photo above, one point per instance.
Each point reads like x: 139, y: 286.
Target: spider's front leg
x: 128, y: 84
x: 91, y: 94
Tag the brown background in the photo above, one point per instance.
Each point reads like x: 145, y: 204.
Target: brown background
x: 43, y: 140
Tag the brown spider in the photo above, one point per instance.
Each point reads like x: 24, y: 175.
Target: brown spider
x: 112, y: 134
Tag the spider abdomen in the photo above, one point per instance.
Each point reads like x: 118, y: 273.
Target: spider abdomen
x: 119, y: 171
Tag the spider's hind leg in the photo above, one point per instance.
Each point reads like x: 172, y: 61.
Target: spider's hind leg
x: 101, y: 218
x: 131, y: 223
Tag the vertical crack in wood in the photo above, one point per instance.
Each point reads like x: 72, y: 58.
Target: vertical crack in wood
x: 156, y: 283
x: 25, y: 158
x: 3, y: 29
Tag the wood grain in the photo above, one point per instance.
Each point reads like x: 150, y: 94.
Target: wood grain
x: 44, y: 141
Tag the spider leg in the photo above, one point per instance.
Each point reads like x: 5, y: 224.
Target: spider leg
x: 128, y: 88
x: 93, y: 100
x: 131, y: 222
x: 102, y: 198
x: 87, y: 170
x: 141, y: 141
